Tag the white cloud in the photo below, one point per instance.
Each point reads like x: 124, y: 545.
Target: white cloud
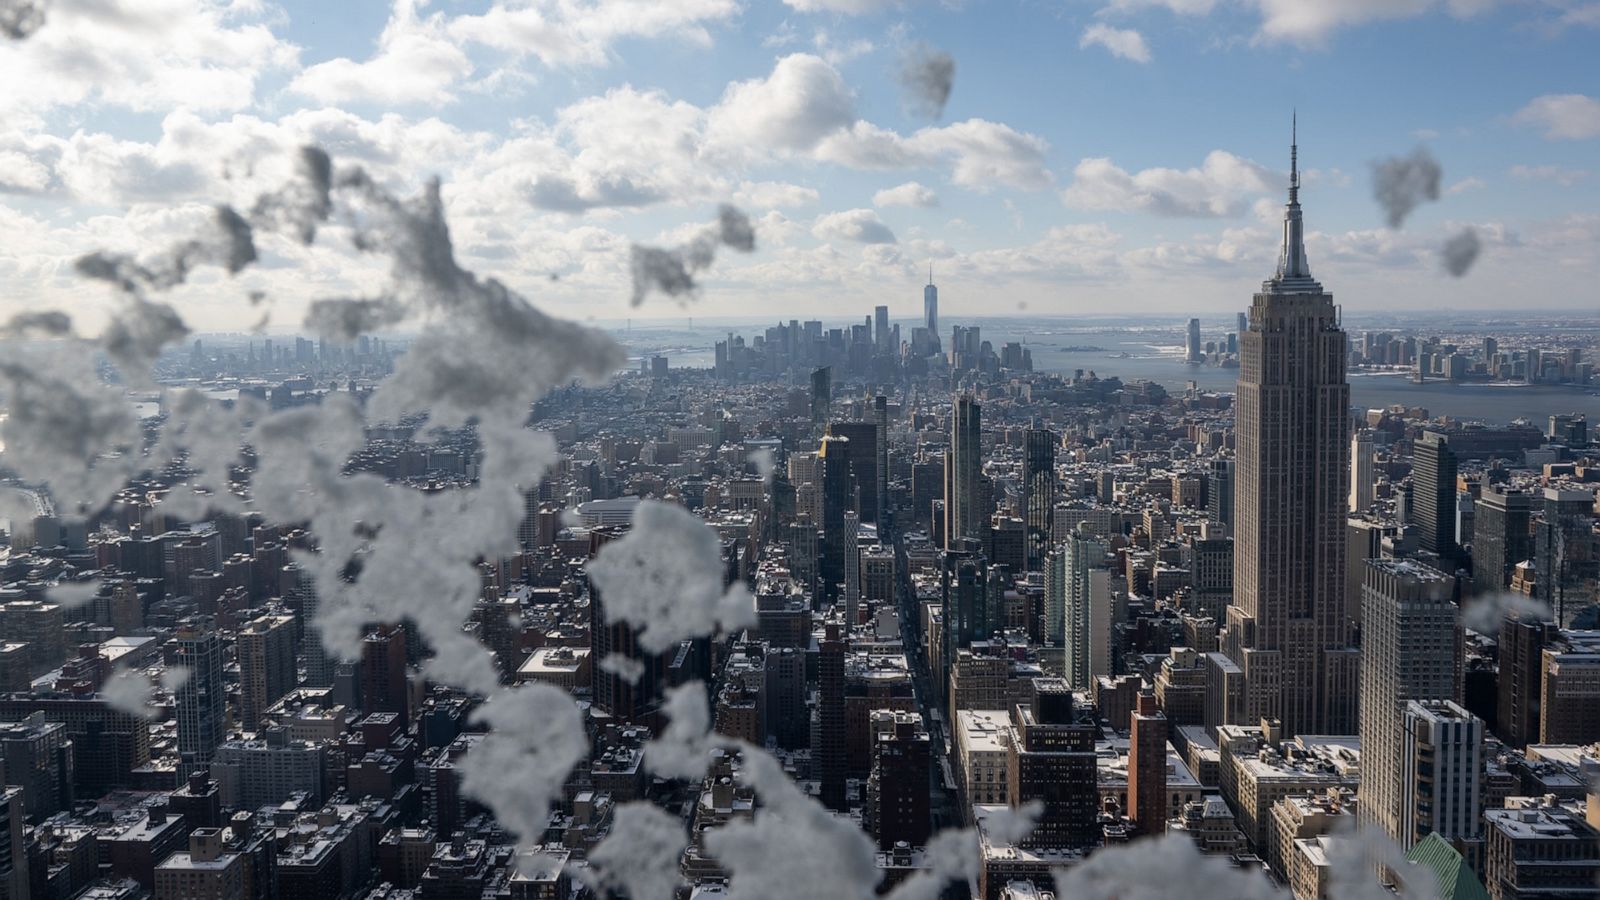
x: 774, y: 194
x: 1335, y: 176
x: 1562, y: 116
x: 867, y: 146
x: 1587, y: 15
x: 1558, y: 174
x: 988, y: 154
x: 838, y: 52
x: 776, y: 229
x: 860, y: 225
x: 232, y: 159
x: 785, y: 36
x: 911, y: 193
x: 982, y: 154
x: 22, y: 173
x: 1310, y: 22
x: 423, y: 60
x: 145, y: 55
x: 1219, y: 187
x: 627, y: 148
x: 1231, y: 251
x: 100, y: 169
x: 1182, y: 7
x: 792, y: 109
x: 416, y: 63
x: 561, y: 33
x: 1066, y: 252
x: 1470, y: 183
x: 848, y: 7
x: 28, y: 161
x: 630, y: 148
x: 1123, y: 42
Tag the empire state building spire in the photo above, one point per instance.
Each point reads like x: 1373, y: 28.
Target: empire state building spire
x: 1294, y: 271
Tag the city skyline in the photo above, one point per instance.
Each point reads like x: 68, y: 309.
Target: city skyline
x: 415, y: 582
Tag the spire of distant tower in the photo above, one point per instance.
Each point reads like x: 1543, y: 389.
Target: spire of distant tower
x: 1294, y: 156
x: 1294, y: 271
x: 930, y: 271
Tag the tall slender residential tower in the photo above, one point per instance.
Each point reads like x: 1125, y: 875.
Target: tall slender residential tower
x: 1090, y: 591
x: 930, y: 305
x: 201, y: 699
x: 963, y: 468
x: 880, y: 418
x: 1363, y: 480
x: 838, y: 497
x: 1287, y: 631
x: 830, y: 753
x: 1038, y: 491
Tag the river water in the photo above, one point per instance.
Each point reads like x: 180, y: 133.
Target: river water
x: 1491, y: 403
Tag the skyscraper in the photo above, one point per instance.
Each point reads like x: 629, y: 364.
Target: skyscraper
x: 1443, y: 771
x: 852, y: 568
x: 1566, y: 554
x: 1502, y: 536
x: 862, y: 458
x: 1363, y: 483
x: 1518, y: 714
x: 634, y: 700
x: 930, y: 306
x: 1433, y: 488
x: 383, y: 671
x: 302, y: 587
x: 821, y: 394
x: 1410, y: 633
x: 1089, y: 601
x: 1055, y: 596
x: 838, y: 496
x: 1219, y: 494
x: 1286, y: 630
x: 1038, y: 491
x: 966, y: 347
x: 1147, y: 767
x: 963, y: 467
x: 897, y: 789
x: 964, y: 586
x: 880, y: 418
x: 14, y: 882
x: 265, y: 651
x: 831, y: 754
x: 1191, y: 348
x: 1050, y: 758
x: 201, y: 707
x: 880, y: 334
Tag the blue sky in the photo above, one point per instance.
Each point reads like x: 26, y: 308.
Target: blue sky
x: 1127, y: 154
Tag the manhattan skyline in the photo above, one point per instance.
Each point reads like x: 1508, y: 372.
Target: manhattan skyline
x: 1223, y: 523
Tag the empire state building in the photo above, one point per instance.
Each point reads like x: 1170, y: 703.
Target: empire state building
x: 1287, y: 633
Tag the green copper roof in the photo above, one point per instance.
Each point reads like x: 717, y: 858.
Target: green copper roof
x: 1456, y: 881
